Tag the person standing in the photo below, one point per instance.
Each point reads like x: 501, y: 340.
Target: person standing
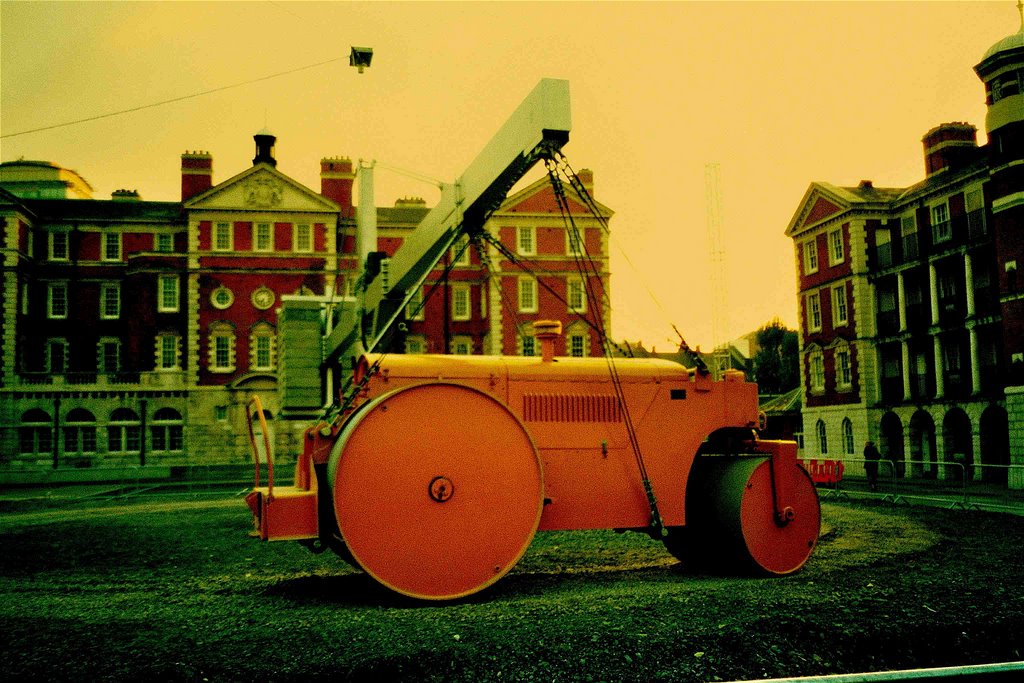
x: 871, y: 458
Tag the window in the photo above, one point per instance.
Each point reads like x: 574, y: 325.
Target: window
x: 527, y: 295
x: 220, y: 413
x: 58, y: 246
x: 836, y: 253
x: 262, y: 347
x: 221, y: 350
x: 577, y: 345
x: 810, y: 257
x: 462, y: 346
x: 817, y: 371
x: 575, y: 295
x: 57, y: 300
x: 222, y: 297
x: 164, y: 242
x: 844, y: 374
x: 813, y: 312
x: 110, y: 300
x: 79, y: 432
x: 24, y: 298
x: 166, y: 430
x: 262, y: 237
x: 303, y: 241
x: 822, y: 438
x: 574, y: 242
x: 415, y: 344
x: 460, y: 251
x: 111, y: 246
x: 35, y: 434
x: 124, y: 434
x: 108, y: 355
x: 941, y: 229
x: 526, y: 243
x: 168, y: 352
x: 908, y: 232
x: 223, y: 239
x: 527, y: 345
x: 848, y: 446
x: 56, y: 356
x: 839, y: 313
x: 167, y: 294
x: 414, y: 309
x: 460, y: 302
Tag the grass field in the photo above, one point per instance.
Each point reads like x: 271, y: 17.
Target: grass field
x: 177, y: 591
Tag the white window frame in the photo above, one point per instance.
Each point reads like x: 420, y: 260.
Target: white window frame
x: 263, y: 334
x: 814, y: 312
x: 836, y: 249
x: 839, y: 306
x: 50, y: 343
x: 302, y: 243
x: 940, y: 217
x: 59, y: 241
x: 462, y: 304
x: 816, y: 371
x: 161, y: 292
x: 61, y: 302
x: 574, y: 288
x: 843, y: 368
x: 571, y: 342
x: 223, y: 241
x: 111, y: 243
x: 172, y: 433
x: 528, y: 345
x: 168, y: 345
x: 461, y: 346
x: 414, y: 310
x: 575, y: 239
x: 849, y: 447
x: 158, y: 240
x: 415, y: 343
x: 810, y: 249
x: 256, y: 246
x: 822, y: 434
x: 110, y: 300
x: 527, y: 294
x: 101, y: 355
x: 526, y: 240
x: 218, y: 333
x: 456, y: 258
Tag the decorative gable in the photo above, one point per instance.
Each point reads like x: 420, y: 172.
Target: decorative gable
x: 539, y: 198
x: 817, y: 205
x: 261, y: 188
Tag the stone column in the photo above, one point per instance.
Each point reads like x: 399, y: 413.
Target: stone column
x: 901, y: 302
x: 906, y: 371
x: 969, y: 281
x: 1015, y: 412
x: 934, y: 286
x: 975, y: 363
x: 940, y: 380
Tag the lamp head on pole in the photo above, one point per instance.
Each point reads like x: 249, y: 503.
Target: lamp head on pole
x: 360, y: 57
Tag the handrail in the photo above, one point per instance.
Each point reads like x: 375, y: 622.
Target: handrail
x: 255, y: 400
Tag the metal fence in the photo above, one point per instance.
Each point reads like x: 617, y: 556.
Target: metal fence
x: 949, y: 483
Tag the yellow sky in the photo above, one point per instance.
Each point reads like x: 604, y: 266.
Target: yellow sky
x: 779, y: 94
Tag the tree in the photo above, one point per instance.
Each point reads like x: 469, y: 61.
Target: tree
x: 777, y: 361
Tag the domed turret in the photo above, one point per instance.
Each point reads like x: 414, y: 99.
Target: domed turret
x: 264, y: 148
x: 1002, y: 71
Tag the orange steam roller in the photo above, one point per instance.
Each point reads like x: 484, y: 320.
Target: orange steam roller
x: 444, y: 469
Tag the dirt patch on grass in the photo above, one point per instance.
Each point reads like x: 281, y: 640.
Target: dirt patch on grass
x: 177, y: 591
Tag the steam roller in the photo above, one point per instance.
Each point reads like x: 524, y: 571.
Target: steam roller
x: 438, y: 476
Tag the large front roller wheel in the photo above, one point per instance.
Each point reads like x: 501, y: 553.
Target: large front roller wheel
x: 438, y: 490
x: 730, y: 518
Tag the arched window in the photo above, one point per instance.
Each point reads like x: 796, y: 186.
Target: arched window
x: 848, y: 446
x: 577, y: 341
x: 166, y: 431
x: 79, y: 432
x: 822, y: 438
x: 124, y: 434
x: 35, y: 434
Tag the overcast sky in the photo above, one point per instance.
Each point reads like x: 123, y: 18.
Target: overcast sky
x: 778, y: 94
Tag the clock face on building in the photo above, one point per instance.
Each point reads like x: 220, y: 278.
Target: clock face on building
x: 263, y: 298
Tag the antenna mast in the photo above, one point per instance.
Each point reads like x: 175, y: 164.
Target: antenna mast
x: 719, y: 296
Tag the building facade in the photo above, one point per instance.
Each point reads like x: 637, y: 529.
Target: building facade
x: 912, y: 314
x: 136, y: 332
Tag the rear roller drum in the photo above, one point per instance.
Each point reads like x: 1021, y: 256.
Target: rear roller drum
x: 437, y: 490
x: 731, y: 524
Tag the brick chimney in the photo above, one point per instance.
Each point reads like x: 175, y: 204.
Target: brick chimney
x: 949, y: 146
x: 196, y: 174
x: 586, y: 177
x: 123, y: 195
x: 336, y: 176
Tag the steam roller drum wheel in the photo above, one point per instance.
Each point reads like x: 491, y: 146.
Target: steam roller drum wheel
x: 730, y: 518
x: 438, y: 490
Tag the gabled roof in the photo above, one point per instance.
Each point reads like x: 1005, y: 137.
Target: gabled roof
x: 823, y: 201
x: 539, y: 198
x: 261, y: 187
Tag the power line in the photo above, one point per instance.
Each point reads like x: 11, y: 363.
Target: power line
x: 173, y: 99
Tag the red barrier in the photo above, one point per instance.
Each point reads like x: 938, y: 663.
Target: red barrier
x: 824, y: 471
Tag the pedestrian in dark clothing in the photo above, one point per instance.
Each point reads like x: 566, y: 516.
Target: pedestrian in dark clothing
x: 871, y: 457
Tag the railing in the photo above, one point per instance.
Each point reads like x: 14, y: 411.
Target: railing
x: 957, y: 484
